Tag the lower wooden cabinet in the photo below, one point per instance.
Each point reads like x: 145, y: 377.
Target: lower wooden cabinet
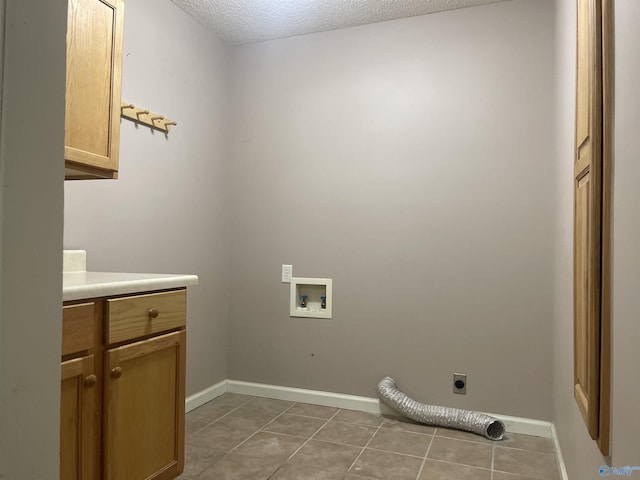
x: 122, y: 403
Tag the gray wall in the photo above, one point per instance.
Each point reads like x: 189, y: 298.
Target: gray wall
x: 31, y: 201
x: 410, y: 161
x: 581, y: 454
x: 167, y: 212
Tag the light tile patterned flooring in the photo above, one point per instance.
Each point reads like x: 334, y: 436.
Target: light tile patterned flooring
x: 238, y: 437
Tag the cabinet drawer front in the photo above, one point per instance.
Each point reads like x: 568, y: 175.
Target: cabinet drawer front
x: 134, y: 317
x: 77, y: 328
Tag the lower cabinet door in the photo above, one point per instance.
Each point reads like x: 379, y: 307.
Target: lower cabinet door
x: 144, y: 409
x: 78, y: 419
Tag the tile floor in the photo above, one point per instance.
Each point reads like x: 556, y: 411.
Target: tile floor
x: 249, y: 438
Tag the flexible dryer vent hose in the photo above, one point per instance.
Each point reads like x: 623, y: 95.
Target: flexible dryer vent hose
x: 475, y: 422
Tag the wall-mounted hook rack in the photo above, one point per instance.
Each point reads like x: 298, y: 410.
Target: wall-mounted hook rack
x: 145, y: 117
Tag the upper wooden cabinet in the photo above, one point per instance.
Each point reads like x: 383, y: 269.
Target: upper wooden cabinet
x: 93, y: 95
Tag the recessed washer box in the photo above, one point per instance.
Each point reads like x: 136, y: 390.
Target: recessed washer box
x: 311, y: 297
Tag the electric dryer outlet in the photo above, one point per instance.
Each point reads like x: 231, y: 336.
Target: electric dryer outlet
x: 460, y: 383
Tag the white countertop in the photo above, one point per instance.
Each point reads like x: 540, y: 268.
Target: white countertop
x: 80, y: 285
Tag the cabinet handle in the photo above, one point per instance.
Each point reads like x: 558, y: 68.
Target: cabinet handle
x: 116, y: 372
x: 153, y: 313
x: 90, y: 381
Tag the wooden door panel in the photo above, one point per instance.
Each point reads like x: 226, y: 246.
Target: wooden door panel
x: 584, y: 78
x: 144, y: 409
x: 586, y: 331
x: 587, y: 214
x: 584, y: 157
x: 77, y: 419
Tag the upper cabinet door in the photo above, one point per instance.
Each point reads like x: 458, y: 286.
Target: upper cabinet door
x: 93, y: 96
x: 588, y: 213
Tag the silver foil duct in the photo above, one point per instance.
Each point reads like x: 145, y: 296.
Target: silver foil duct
x: 475, y: 422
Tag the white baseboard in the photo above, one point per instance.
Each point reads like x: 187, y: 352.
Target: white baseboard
x: 194, y: 401
x: 317, y: 397
x: 561, y: 466
x: 526, y: 426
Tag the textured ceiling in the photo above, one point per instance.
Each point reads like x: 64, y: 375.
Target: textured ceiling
x: 247, y: 21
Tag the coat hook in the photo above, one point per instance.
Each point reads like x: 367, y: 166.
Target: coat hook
x: 143, y: 116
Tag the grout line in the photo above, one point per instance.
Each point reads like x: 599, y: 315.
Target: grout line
x: 494, y: 444
x: 493, y: 459
x: 439, y: 460
x: 479, y: 442
x: 366, y: 445
x: 313, y: 435
x: 221, y: 417
x: 497, y: 444
x: 426, y: 454
x: 395, y: 452
x: 407, y: 431
x: 307, y: 416
x: 518, y: 476
x: 260, y: 429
